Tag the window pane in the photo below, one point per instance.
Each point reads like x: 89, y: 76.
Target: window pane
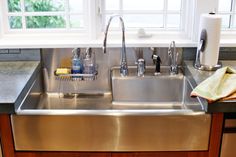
x: 15, y: 22
x: 224, y: 5
x: 76, y: 5
x: 45, y: 22
x: 14, y: 6
x: 225, y: 21
x: 44, y: 5
x: 173, y: 21
x: 137, y: 21
x: 112, y: 4
x: 143, y: 5
x: 76, y: 21
x: 174, y: 5
x: 234, y: 26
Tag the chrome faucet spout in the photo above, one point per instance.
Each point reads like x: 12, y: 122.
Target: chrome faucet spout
x: 123, y: 62
x: 173, y: 54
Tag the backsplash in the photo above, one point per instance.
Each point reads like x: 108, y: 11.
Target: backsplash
x: 225, y: 53
x: 55, y: 58
x: 20, y: 54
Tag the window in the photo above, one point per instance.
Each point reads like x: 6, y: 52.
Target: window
x: 45, y: 14
x: 70, y: 20
x: 151, y: 14
x: 227, y: 9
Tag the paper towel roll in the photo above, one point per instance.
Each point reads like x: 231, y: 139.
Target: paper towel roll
x: 212, y: 24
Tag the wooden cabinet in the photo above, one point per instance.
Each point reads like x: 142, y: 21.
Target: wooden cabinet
x: 6, y: 136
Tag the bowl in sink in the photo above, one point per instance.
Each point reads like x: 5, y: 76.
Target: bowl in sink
x: 163, y: 91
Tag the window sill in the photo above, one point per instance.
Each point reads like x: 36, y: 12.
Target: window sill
x: 70, y: 41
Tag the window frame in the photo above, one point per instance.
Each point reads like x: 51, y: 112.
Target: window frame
x: 183, y: 35
x: 233, y: 16
x: 188, y: 37
x: 23, y: 14
x: 164, y: 12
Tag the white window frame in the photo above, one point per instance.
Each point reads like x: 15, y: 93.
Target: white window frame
x: 94, y: 37
x: 24, y: 30
x: 164, y: 12
x: 185, y: 33
x: 232, y: 13
x: 228, y: 37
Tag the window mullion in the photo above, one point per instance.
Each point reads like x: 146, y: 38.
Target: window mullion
x: 188, y: 18
x: 121, y: 8
x: 39, y: 13
x: 66, y: 14
x: 102, y: 15
x: 165, y: 14
x: 232, y: 16
x: 91, y: 17
x: 4, y: 17
x: 182, y: 14
x: 23, y: 14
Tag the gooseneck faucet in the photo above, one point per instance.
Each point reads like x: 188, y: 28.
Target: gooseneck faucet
x: 123, y: 62
x: 173, y: 54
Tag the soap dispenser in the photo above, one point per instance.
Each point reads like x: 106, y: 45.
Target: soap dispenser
x: 89, y: 62
x: 77, y: 67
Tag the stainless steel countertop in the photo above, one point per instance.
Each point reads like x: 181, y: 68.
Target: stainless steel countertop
x: 199, y: 76
x: 14, y: 76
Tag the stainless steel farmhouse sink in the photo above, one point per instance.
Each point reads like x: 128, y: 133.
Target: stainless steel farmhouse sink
x: 150, y: 113
x: 163, y: 91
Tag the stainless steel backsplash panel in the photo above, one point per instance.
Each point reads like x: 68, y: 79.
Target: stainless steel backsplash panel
x: 53, y: 58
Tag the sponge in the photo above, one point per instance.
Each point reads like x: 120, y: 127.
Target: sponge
x: 62, y: 71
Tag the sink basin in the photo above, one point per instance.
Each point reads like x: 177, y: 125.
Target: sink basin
x: 150, y: 113
x: 164, y: 91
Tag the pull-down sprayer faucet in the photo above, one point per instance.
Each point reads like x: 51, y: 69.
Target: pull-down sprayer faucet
x: 123, y: 62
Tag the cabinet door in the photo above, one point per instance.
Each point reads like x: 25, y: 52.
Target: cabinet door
x: 0, y: 150
x: 228, y: 145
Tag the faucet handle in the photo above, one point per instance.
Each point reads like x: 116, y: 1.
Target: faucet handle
x: 173, y: 70
x: 157, y: 60
x: 140, y: 67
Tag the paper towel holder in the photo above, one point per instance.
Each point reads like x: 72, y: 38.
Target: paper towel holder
x: 200, y: 49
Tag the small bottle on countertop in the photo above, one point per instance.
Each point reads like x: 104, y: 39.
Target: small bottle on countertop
x: 89, y: 63
x: 77, y: 66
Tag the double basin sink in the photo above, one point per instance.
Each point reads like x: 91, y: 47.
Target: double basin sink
x: 150, y: 113
x: 164, y: 93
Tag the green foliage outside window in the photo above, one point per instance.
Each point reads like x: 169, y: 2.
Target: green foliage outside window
x: 14, y: 6
x: 36, y: 21
x: 45, y: 22
x: 15, y: 22
x: 43, y: 5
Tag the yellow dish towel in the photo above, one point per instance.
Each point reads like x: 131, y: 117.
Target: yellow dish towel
x: 220, y: 86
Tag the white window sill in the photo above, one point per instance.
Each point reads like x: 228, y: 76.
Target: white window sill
x: 71, y: 41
